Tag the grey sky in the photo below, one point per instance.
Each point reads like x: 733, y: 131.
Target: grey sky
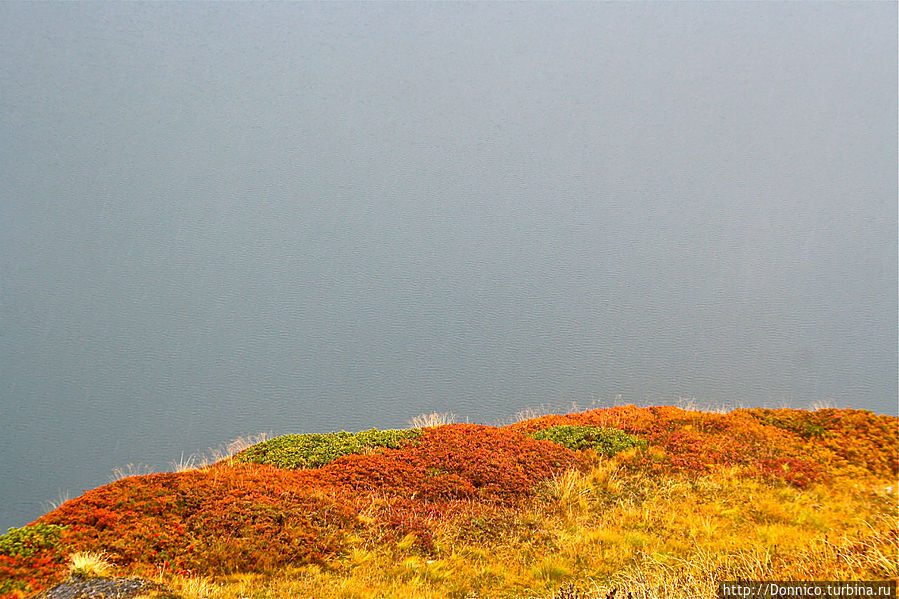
x: 235, y: 217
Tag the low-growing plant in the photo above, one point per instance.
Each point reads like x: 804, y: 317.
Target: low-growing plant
x: 605, y: 441
x: 28, y: 540
x: 800, y: 422
x: 315, y: 450
x: 27, y: 555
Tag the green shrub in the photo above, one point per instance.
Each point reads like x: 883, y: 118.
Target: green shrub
x: 805, y: 424
x: 316, y: 450
x: 606, y: 441
x: 28, y: 540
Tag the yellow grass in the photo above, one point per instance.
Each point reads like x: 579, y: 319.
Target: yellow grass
x: 88, y: 564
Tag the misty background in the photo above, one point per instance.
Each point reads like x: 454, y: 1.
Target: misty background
x: 223, y: 219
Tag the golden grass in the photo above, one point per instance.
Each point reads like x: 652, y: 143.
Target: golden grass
x: 87, y: 564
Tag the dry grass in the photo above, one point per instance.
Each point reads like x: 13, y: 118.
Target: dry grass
x: 193, y: 587
x: 191, y: 463
x: 530, y: 413
x: 217, y: 454
x: 89, y: 564
x: 691, y: 404
x: 131, y: 470
x: 54, y: 504
x: 821, y: 404
x: 431, y: 420
x: 527, y: 414
x: 569, y: 493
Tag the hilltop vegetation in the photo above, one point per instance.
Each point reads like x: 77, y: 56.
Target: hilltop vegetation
x: 659, y: 501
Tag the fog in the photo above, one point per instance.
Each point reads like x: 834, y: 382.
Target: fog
x: 222, y: 219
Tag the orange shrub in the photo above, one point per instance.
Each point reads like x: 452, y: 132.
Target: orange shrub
x: 796, y: 446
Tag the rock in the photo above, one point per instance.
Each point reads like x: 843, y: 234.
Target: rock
x: 105, y: 588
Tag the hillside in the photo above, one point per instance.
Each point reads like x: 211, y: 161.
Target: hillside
x: 660, y: 502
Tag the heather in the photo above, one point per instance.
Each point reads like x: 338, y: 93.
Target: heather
x: 606, y: 441
x: 314, y: 450
x: 661, y: 501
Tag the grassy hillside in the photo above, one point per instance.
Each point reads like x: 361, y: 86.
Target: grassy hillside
x: 661, y: 502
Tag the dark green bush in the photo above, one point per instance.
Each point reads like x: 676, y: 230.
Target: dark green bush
x: 315, y: 450
x: 28, y: 540
x: 805, y: 424
x: 605, y: 441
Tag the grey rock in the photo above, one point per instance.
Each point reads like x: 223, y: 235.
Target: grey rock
x: 101, y: 588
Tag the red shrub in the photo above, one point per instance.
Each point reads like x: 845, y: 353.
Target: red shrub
x: 455, y: 461
x: 798, y: 472
x: 224, y: 519
x: 22, y: 576
x: 496, y: 463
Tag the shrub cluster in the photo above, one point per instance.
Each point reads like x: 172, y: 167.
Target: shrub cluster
x: 297, y: 499
x: 315, y: 450
x: 28, y: 540
x: 796, y: 446
x: 456, y: 461
x: 605, y: 441
x: 259, y: 517
x: 29, y: 556
x: 224, y: 519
